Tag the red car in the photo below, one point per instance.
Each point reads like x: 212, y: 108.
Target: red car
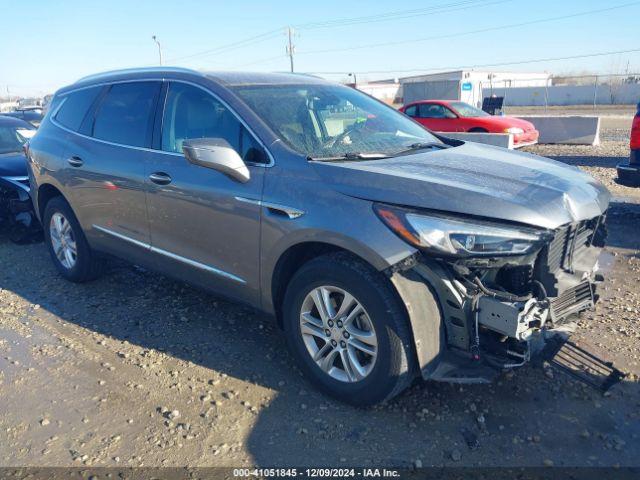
x: 455, y: 116
x: 629, y: 171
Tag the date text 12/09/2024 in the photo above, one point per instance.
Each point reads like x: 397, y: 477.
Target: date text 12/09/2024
x: 316, y: 472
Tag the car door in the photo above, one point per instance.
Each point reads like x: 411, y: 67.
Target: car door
x: 205, y: 226
x: 437, y: 117
x: 106, y: 168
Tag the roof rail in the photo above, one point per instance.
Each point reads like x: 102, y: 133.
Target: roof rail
x: 109, y: 73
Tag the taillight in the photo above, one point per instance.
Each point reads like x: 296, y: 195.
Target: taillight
x: 635, y: 133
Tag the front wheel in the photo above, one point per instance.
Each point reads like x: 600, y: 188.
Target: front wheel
x: 348, y: 330
x: 67, y: 244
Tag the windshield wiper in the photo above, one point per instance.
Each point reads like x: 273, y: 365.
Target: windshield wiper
x: 421, y: 146
x: 351, y: 156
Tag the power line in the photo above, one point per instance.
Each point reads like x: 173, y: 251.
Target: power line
x: 255, y: 62
x: 395, y: 15
x: 466, y: 67
x: 442, y: 8
x: 470, y: 32
x: 232, y: 46
x: 453, y: 35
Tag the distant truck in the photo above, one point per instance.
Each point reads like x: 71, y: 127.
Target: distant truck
x: 629, y: 172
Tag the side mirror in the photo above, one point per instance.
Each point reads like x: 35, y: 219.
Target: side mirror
x: 217, y: 154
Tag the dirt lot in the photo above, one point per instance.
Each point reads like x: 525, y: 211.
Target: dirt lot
x: 136, y: 369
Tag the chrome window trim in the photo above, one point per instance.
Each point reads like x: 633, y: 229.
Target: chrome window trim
x: 113, y: 82
x: 144, y: 149
x: 106, y: 142
x: 167, y: 80
x: 188, y: 261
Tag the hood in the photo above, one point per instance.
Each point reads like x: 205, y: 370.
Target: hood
x: 13, y: 164
x: 475, y: 179
x: 507, y: 122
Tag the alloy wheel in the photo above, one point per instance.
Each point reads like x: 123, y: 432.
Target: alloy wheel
x: 338, y: 333
x: 63, y: 240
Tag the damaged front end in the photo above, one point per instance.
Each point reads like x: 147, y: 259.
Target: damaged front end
x: 16, y: 209
x: 500, y: 288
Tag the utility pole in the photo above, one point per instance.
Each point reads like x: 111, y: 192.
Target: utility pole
x: 159, y: 48
x: 291, y: 47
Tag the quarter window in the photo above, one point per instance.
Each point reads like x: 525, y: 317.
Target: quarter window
x: 411, y: 111
x: 75, y: 107
x: 126, y: 114
x: 191, y: 113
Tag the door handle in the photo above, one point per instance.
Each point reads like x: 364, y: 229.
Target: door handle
x: 75, y: 161
x: 160, y: 178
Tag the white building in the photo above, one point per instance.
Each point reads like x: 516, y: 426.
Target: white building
x: 467, y: 85
x: 8, y: 106
x: 470, y: 86
x: 387, y: 91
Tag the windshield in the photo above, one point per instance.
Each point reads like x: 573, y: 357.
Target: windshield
x: 12, y: 138
x: 466, y: 110
x: 328, y: 121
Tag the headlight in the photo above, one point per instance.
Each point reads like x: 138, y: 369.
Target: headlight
x: 446, y: 235
x: 514, y: 130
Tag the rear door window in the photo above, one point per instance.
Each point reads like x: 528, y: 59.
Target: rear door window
x: 434, y: 110
x: 125, y: 115
x: 75, y: 107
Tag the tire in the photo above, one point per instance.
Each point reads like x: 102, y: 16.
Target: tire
x: 390, y: 372
x: 86, y: 265
x: 478, y: 130
x: 629, y: 178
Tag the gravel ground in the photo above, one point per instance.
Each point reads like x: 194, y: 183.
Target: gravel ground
x: 599, y: 161
x: 136, y: 369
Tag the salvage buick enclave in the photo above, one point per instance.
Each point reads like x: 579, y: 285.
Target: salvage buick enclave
x: 384, y: 251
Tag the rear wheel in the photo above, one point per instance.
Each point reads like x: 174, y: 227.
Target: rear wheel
x: 348, y: 330
x: 67, y: 244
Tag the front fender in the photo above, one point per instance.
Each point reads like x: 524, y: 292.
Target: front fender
x: 314, y: 236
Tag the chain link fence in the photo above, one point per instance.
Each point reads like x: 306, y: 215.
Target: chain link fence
x: 562, y: 90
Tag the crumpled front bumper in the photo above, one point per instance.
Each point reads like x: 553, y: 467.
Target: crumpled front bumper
x: 471, y: 329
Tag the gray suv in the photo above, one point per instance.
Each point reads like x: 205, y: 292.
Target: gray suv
x: 384, y: 252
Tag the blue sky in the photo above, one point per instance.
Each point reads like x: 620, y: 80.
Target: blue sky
x: 48, y: 44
